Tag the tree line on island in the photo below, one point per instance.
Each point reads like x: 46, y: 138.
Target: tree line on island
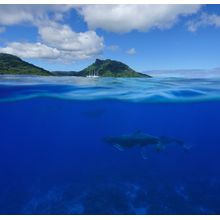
x: 11, y: 64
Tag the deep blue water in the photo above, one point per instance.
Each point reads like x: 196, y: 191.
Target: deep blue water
x: 53, y: 159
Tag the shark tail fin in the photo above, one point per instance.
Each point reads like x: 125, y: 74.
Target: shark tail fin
x: 166, y: 141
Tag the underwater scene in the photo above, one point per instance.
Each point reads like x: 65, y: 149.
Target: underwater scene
x: 74, y: 145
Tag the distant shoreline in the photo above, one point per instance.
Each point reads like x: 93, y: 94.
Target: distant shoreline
x: 11, y: 64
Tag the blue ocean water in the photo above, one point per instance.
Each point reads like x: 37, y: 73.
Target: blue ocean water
x: 54, y: 160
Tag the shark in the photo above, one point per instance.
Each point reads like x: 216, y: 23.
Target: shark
x: 143, y: 140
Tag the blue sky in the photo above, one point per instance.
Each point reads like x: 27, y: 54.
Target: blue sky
x: 65, y: 37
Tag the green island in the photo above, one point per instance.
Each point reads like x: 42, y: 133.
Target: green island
x: 10, y: 64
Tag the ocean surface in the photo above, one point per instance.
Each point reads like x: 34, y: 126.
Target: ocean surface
x: 54, y: 157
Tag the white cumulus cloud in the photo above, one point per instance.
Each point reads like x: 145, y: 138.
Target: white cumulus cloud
x: 64, y: 38
x: 57, y: 41
x: 125, y: 18
x: 60, y: 43
x: 131, y: 51
x: 204, y: 20
x: 31, y: 50
x: 17, y: 14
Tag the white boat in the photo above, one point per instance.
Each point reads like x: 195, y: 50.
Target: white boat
x: 93, y: 74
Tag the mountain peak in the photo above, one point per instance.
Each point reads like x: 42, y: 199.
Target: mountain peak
x: 110, y: 68
x: 99, y: 61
